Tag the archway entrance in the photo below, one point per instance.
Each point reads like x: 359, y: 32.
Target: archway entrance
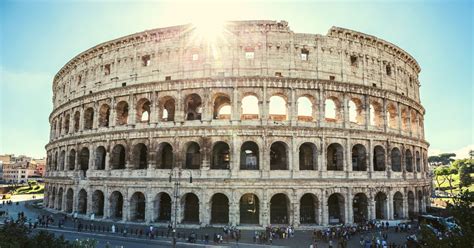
x: 219, y: 209
x: 162, y: 207
x: 191, y: 208
x: 398, y: 206
x: 360, y: 208
x: 249, y: 209
x: 116, y: 205
x: 336, y: 209
x: 137, y: 207
x: 381, y: 206
x: 279, y: 206
x: 309, y: 209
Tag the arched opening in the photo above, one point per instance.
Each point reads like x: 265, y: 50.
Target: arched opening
x: 52, y: 199
x: 62, y: 160
x: 165, y: 156
x: 277, y: 108
x: 376, y: 114
x: 278, y: 156
x: 249, y: 209
x: 408, y: 161
x: 122, y: 113
x: 392, y: 115
x: 305, y: 109
x: 309, y: 209
x: 249, y: 156
x: 418, y: 161
x: 143, y: 110
x: 162, y: 207
x: 104, y: 115
x: 167, y: 109
x: 379, y: 158
x: 250, y: 108
x: 220, y: 156
x: 98, y: 203
x: 336, y: 209
x: 66, y: 124
x: 359, y: 158
x: 140, y: 156
x: 82, y: 202
x: 381, y: 206
x: 332, y: 110
x: 137, y: 207
x: 397, y: 206
x: 360, y: 208
x: 69, y: 200
x: 219, y: 209
x: 77, y: 119
x: 193, y: 109
x: 308, y: 156
x: 396, y: 159
x: 279, y: 209
x: 335, y: 157
x: 60, y: 125
x: 84, y: 159
x: 55, y: 161
x: 60, y: 199
x: 411, y: 205
x: 116, y: 205
x: 356, y: 111
x: 72, y: 159
x: 191, y: 208
x: 222, y: 109
x: 88, y: 118
x: 117, y: 158
x: 100, y: 154
x: 193, y: 156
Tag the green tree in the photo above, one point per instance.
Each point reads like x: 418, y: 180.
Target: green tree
x: 465, y: 179
x: 438, y: 172
x: 447, y: 172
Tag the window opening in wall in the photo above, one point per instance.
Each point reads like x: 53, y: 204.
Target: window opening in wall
x: 146, y: 60
x: 90, y: 91
x: 304, y: 54
x: 79, y: 79
x: 193, y: 107
x: 124, y: 84
x: 249, y: 55
x: 305, y: 109
x: 375, y: 85
x: 388, y: 70
x: 250, y: 108
x: 278, y: 74
x: 222, y: 109
x: 167, y: 78
x: 332, y: 78
x: 195, y: 57
x: 107, y: 69
x: 354, y: 61
x: 278, y: 108
x: 330, y: 110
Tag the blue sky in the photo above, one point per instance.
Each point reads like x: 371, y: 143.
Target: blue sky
x: 38, y: 37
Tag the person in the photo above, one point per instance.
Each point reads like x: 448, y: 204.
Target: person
x: 113, y: 228
x: 330, y: 243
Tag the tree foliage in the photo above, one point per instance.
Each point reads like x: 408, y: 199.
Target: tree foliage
x: 441, y: 159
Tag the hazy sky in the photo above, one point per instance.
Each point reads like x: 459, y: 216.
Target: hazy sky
x: 38, y: 37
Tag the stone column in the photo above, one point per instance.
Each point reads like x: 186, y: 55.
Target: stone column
x: 372, y: 207
x: 349, y: 210
x: 236, y: 102
x: 320, y: 119
x: 348, y: 155
x: 265, y: 104
x: 235, y: 157
x: 81, y: 118
x: 112, y: 116
x: 234, y: 213
x: 106, y: 202
x: 149, y: 206
x: 322, y: 163
x: 204, y: 210
x: 370, y: 156
x: 179, y: 110
x: 295, y: 158
x: 399, y: 120
x: 132, y: 112
x: 75, y: 199
x: 405, y: 205
x: 95, y: 120
x: 265, y: 210
x: 345, y: 112
x: 64, y: 202
x: 324, y: 206
x: 89, y: 202
x: 126, y: 207
x: 390, y: 205
x: 293, y: 108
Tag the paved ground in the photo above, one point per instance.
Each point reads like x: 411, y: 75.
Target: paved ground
x: 100, y: 231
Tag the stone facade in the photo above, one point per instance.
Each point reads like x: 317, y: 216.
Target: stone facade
x: 347, y: 145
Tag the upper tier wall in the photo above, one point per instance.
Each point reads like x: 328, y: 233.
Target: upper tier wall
x: 248, y: 48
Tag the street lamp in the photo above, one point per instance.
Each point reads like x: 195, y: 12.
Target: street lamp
x: 175, y: 174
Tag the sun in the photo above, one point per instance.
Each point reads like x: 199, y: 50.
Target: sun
x: 208, y: 29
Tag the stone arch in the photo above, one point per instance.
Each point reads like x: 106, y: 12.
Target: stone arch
x: 193, y: 156
x: 121, y: 111
x: 60, y: 199
x: 193, y: 107
x: 77, y: 119
x: 398, y: 206
x: 381, y: 208
x: 408, y: 161
x: 219, y: 209
x: 190, y: 205
x: 52, y: 201
x: 82, y: 202
x: 305, y: 108
x: 392, y: 116
x: 332, y: 109
x: 356, y: 111
x: 336, y: 210
x: 98, y: 203
x: 55, y: 160
x: 100, y: 157
x: 143, y: 110
x: 137, y: 207
x: 250, y: 108
x: 164, y: 156
x: 309, y: 209
x: 279, y: 157
x: 69, y: 200
x: 117, y: 158
x: 62, y: 160
x: 167, y: 108
x: 418, y: 161
x: 335, y: 157
x: 278, y: 108
x: 116, y: 205
x: 221, y: 156
x: 279, y: 209
x: 162, y: 206
x: 72, y: 159
x: 84, y: 159
x: 379, y: 158
x: 360, y: 208
x: 66, y: 123
x: 104, y: 115
x: 308, y: 156
x: 249, y: 156
x: 60, y: 125
x: 140, y: 156
x: 396, y: 159
x: 88, y: 118
x: 411, y: 204
x: 376, y: 114
x: 359, y: 158
x: 222, y: 107
x: 249, y: 209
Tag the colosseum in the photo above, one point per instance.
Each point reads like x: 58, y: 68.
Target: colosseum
x: 259, y: 126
